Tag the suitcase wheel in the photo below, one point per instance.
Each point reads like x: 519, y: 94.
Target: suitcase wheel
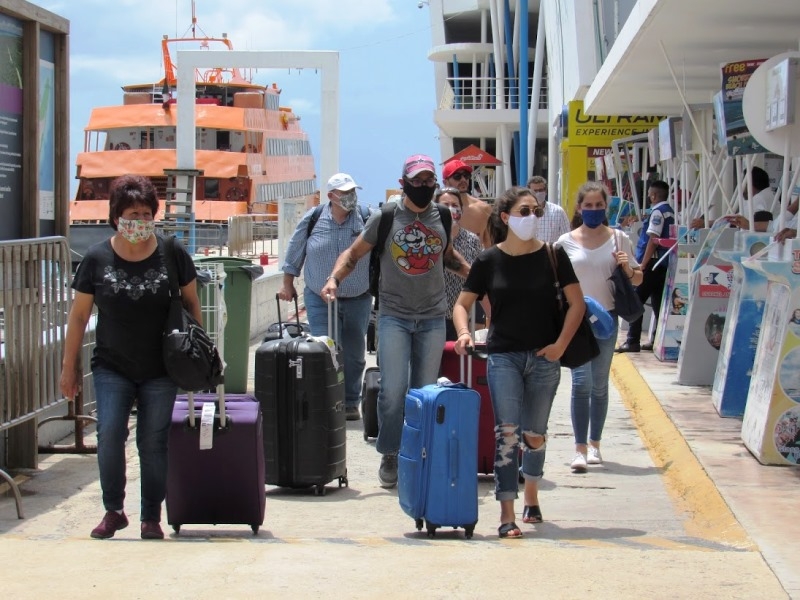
x: 418, y: 523
x: 468, y: 531
x: 343, y: 481
x: 319, y: 490
x: 431, y: 527
x: 366, y: 437
x: 176, y: 528
x: 254, y: 528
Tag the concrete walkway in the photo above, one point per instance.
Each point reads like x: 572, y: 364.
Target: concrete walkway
x: 679, y: 509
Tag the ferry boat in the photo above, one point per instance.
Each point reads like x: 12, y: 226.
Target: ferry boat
x: 251, y: 149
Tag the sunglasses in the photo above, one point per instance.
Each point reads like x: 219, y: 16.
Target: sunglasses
x: 525, y: 211
x: 460, y: 175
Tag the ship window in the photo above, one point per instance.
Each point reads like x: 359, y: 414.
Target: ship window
x: 223, y: 140
x: 211, y: 189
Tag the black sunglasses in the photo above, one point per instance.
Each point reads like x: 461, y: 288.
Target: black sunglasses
x: 460, y: 175
x: 525, y: 211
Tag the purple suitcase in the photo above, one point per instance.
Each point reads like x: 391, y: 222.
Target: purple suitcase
x: 224, y: 484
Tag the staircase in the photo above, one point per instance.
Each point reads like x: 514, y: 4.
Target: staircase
x: 178, y: 214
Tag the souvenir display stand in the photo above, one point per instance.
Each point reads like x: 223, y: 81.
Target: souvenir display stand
x: 709, y: 290
x: 771, y: 422
x: 669, y: 329
x: 740, y: 337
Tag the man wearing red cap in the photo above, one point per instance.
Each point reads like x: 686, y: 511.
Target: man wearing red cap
x: 474, y: 213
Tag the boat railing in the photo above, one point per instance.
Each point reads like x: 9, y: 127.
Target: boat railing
x: 471, y: 93
x: 205, y: 238
x: 252, y: 235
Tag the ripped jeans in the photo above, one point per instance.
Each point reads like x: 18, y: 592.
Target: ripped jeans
x: 522, y: 387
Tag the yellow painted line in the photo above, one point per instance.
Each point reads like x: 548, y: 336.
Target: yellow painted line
x: 18, y: 479
x: 687, y: 481
x: 667, y: 544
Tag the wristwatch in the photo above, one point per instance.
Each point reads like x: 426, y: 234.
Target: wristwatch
x: 335, y: 279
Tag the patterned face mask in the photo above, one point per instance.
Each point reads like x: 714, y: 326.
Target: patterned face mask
x: 136, y: 230
x: 348, y: 200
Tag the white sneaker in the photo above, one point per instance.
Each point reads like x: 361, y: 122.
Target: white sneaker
x: 593, y: 456
x: 579, y: 463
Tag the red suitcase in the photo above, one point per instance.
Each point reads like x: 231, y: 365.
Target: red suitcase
x: 472, y: 373
x: 225, y: 483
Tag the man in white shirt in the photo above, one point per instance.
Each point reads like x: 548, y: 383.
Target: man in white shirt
x: 554, y: 223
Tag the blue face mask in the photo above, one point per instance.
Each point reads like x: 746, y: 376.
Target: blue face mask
x: 593, y: 218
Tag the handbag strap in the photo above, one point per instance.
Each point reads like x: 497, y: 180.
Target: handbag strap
x: 556, y: 282
x: 168, y: 246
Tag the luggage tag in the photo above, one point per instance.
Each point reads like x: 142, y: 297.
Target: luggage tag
x: 207, y: 426
x: 331, y: 345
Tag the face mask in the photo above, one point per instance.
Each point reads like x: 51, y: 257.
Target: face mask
x: 593, y: 218
x: 136, y: 230
x: 348, y: 201
x: 541, y: 197
x: 525, y: 228
x: 456, y: 212
x: 420, y: 196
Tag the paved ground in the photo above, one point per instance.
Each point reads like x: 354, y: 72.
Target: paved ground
x: 679, y: 510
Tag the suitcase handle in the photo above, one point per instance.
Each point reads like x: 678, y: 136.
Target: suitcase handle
x: 296, y: 314
x: 333, y: 318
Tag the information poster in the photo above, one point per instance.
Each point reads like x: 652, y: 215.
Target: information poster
x: 10, y: 128
x: 735, y: 76
x: 743, y: 324
x: 671, y: 320
x: 770, y: 423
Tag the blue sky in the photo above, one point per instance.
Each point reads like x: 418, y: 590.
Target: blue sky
x: 386, y: 81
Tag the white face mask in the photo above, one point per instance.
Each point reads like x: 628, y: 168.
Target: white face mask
x: 541, y: 197
x: 525, y: 228
x: 136, y: 230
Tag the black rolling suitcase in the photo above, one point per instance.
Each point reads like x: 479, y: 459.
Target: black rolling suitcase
x: 299, y: 383
x: 284, y: 329
x: 369, y: 401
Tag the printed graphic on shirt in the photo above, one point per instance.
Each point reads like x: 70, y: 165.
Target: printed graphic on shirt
x: 415, y: 248
x: 134, y: 286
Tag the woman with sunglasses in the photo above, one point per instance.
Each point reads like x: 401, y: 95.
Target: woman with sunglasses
x: 595, y: 250
x: 524, y: 345
x: 469, y: 246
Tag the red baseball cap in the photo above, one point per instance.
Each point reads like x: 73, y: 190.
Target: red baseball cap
x: 454, y: 166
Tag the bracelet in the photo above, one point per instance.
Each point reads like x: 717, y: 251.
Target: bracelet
x: 465, y: 329
x: 633, y: 273
x: 465, y: 333
x: 335, y: 279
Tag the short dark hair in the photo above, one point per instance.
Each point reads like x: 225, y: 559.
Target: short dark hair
x: 449, y: 190
x: 536, y: 179
x: 662, y: 187
x: 760, y: 178
x: 127, y: 191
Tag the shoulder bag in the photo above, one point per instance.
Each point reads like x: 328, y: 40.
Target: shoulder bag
x: 583, y: 346
x: 627, y: 303
x: 190, y: 357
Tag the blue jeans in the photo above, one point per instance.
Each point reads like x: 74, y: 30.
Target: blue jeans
x: 590, y: 393
x: 522, y: 387
x: 411, y: 351
x: 353, y: 323
x: 154, y: 398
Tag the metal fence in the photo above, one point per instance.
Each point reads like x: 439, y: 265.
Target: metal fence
x: 34, y: 302
x: 252, y: 235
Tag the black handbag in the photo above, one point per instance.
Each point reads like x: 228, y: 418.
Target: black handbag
x: 583, y: 346
x: 190, y: 356
x: 627, y: 303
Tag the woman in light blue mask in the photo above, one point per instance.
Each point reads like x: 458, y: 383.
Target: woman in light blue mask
x: 524, y: 344
x: 595, y: 250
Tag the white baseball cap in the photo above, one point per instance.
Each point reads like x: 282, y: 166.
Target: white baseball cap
x: 342, y: 182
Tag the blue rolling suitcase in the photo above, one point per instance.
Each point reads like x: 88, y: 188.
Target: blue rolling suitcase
x: 437, y: 477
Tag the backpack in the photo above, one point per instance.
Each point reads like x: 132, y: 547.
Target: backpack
x: 387, y: 218
x: 363, y: 209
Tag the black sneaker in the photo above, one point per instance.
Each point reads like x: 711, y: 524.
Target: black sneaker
x: 351, y: 413
x: 628, y: 347
x: 387, y: 474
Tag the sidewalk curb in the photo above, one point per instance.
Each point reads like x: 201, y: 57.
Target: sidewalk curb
x: 709, y: 516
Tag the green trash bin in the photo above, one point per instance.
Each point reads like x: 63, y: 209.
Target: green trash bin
x: 238, y: 292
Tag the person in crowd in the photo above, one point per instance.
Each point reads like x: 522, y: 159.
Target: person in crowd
x: 339, y: 221
x: 412, y: 307
x: 762, y: 203
x: 475, y: 212
x: 595, y: 250
x: 554, y: 223
x: 469, y: 246
x: 126, y: 278
x: 524, y: 344
x: 655, y: 225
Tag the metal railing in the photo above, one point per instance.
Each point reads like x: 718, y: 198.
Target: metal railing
x: 34, y: 300
x: 471, y: 93
x: 208, y: 238
x: 252, y: 235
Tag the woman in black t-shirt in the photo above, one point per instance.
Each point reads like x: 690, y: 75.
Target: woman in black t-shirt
x: 525, y: 343
x: 125, y: 277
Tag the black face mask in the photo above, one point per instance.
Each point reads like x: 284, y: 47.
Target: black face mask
x: 420, y: 196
